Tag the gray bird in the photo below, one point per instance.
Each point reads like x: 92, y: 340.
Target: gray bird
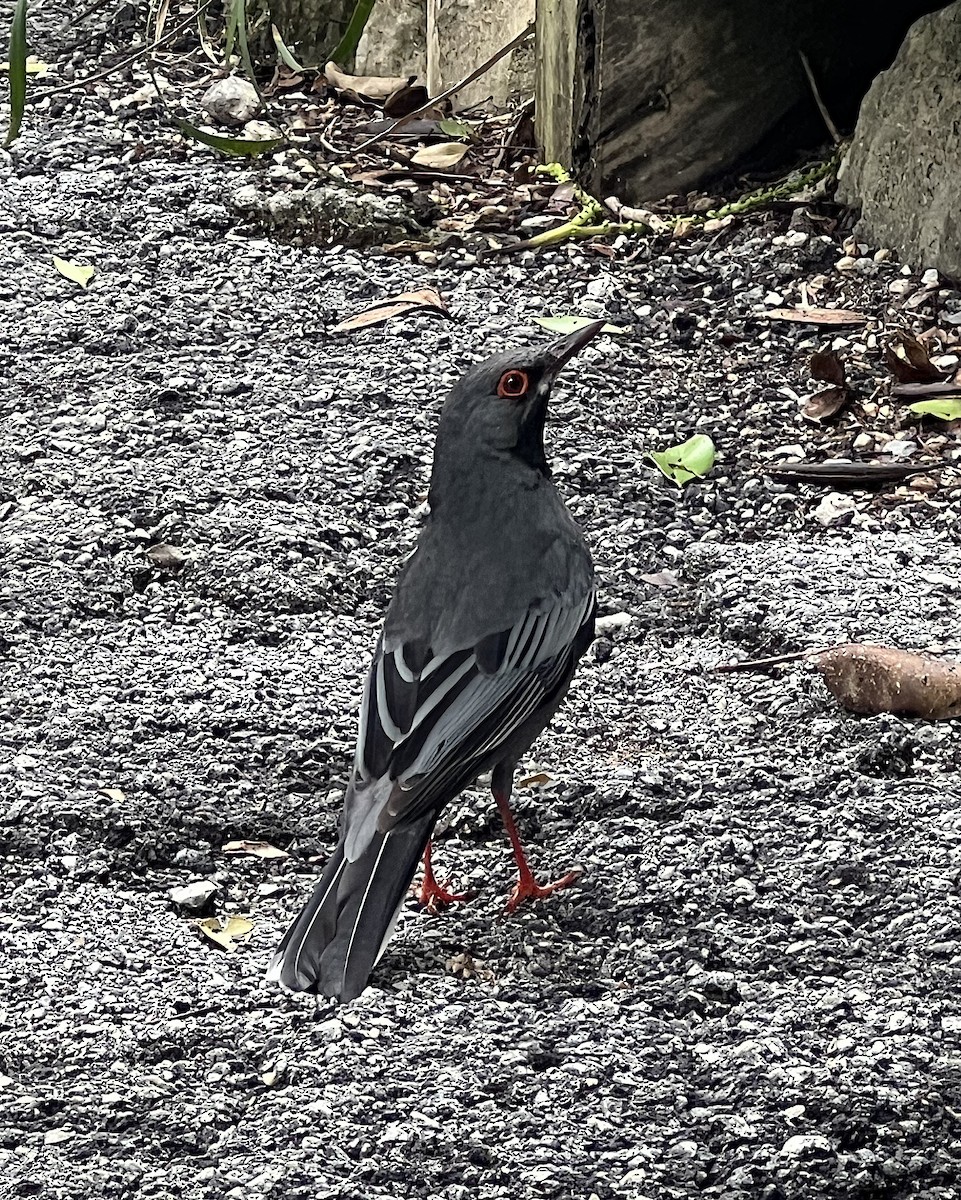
x: 487, y: 622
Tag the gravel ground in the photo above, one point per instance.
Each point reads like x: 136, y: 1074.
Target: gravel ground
x: 753, y: 992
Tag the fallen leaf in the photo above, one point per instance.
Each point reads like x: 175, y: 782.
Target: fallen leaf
x: 692, y: 459
x: 406, y: 99
x: 74, y: 271
x: 453, y: 128
x: 114, y: 794
x: 926, y: 389
x: 908, y: 360
x: 257, y: 849
x: 946, y: 409
x: 31, y: 65
x: 882, y: 679
x: 826, y: 365
x: 373, y: 87
x: 439, y: 156
x: 842, y: 474
x: 423, y: 300
x: 816, y: 316
x: 538, y: 780
x: 825, y: 404
x: 225, y: 930
x: 570, y: 323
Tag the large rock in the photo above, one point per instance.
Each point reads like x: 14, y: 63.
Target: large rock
x: 462, y: 34
x: 904, y: 165
x: 394, y: 41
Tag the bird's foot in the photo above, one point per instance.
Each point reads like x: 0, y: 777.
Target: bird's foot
x: 434, y: 896
x: 527, y: 888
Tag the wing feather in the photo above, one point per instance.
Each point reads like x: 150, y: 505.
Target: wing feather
x: 425, y: 733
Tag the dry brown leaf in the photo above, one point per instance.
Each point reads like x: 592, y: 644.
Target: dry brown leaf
x: 257, y: 849
x: 408, y: 98
x: 538, y: 780
x: 423, y: 300
x: 114, y: 794
x: 825, y: 404
x: 225, y: 930
x: 441, y: 156
x: 817, y: 316
x: 882, y: 679
x: 908, y: 360
x: 373, y: 87
x: 927, y: 389
x: 826, y: 366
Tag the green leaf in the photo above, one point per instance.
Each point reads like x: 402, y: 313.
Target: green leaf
x: 229, y: 145
x: 346, y: 48
x: 241, y: 26
x: 284, y: 54
x: 453, y: 128
x: 567, y: 324
x: 18, y: 70
x: 74, y: 271
x: 692, y: 459
x: 948, y: 408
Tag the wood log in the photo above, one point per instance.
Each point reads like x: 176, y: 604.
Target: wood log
x: 645, y: 100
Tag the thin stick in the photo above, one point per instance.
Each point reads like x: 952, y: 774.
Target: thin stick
x: 822, y: 108
x: 761, y: 664
x: 124, y: 62
x: 445, y: 95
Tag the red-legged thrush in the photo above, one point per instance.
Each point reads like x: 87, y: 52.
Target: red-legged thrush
x: 486, y: 625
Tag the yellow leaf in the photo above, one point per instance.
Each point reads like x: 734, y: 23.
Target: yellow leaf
x: 112, y: 794
x: 538, y: 780
x: 225, y: 930
x: 75, y: 272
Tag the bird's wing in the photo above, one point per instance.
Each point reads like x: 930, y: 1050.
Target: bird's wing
x: 427, y: 722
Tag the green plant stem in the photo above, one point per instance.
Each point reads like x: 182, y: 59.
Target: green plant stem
x: 18, y: 70
x: 346, y: 48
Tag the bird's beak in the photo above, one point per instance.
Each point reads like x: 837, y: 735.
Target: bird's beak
x: 563, y: 350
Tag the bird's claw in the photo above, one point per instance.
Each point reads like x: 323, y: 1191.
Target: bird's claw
x: 527, y: 888
x: 434, y: 896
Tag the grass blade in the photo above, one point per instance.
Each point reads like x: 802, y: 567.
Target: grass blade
x: 18, y: 70
x: 283, y: 52
x: 229, y: 145
x: 346, y: 48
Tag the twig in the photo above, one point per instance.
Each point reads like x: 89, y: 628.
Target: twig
x: 822, y: 107
x: 124, y: 62
x: 446, y: 94
x: 761, y: 664
x: 510, y: 132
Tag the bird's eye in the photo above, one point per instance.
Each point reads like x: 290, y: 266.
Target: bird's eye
x: 513, y: 384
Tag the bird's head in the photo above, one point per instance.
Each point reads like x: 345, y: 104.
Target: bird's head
x: 500, y: 405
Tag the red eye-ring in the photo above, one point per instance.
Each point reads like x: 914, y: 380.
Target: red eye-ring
x: 512, y: 385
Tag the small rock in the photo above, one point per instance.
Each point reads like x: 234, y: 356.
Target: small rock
x: 193, y: 896
x: 930, y: 278
x: 806, y: 1145
x: 231, y: 101
x: 834, y: 509
x: 608, y: 624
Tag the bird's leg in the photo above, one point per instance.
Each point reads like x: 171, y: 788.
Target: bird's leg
x: 527, y: 887
x: 431, y: 894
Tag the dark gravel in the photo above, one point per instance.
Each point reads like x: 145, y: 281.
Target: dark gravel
x: 754, y: 990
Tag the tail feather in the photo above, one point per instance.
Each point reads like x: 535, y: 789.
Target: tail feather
x: 341, y: 932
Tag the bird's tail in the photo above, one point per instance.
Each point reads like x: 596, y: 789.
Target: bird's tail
x: 341, y: 932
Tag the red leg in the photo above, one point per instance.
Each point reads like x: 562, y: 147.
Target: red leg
x: 526, y: 888
x: 430, y: 893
